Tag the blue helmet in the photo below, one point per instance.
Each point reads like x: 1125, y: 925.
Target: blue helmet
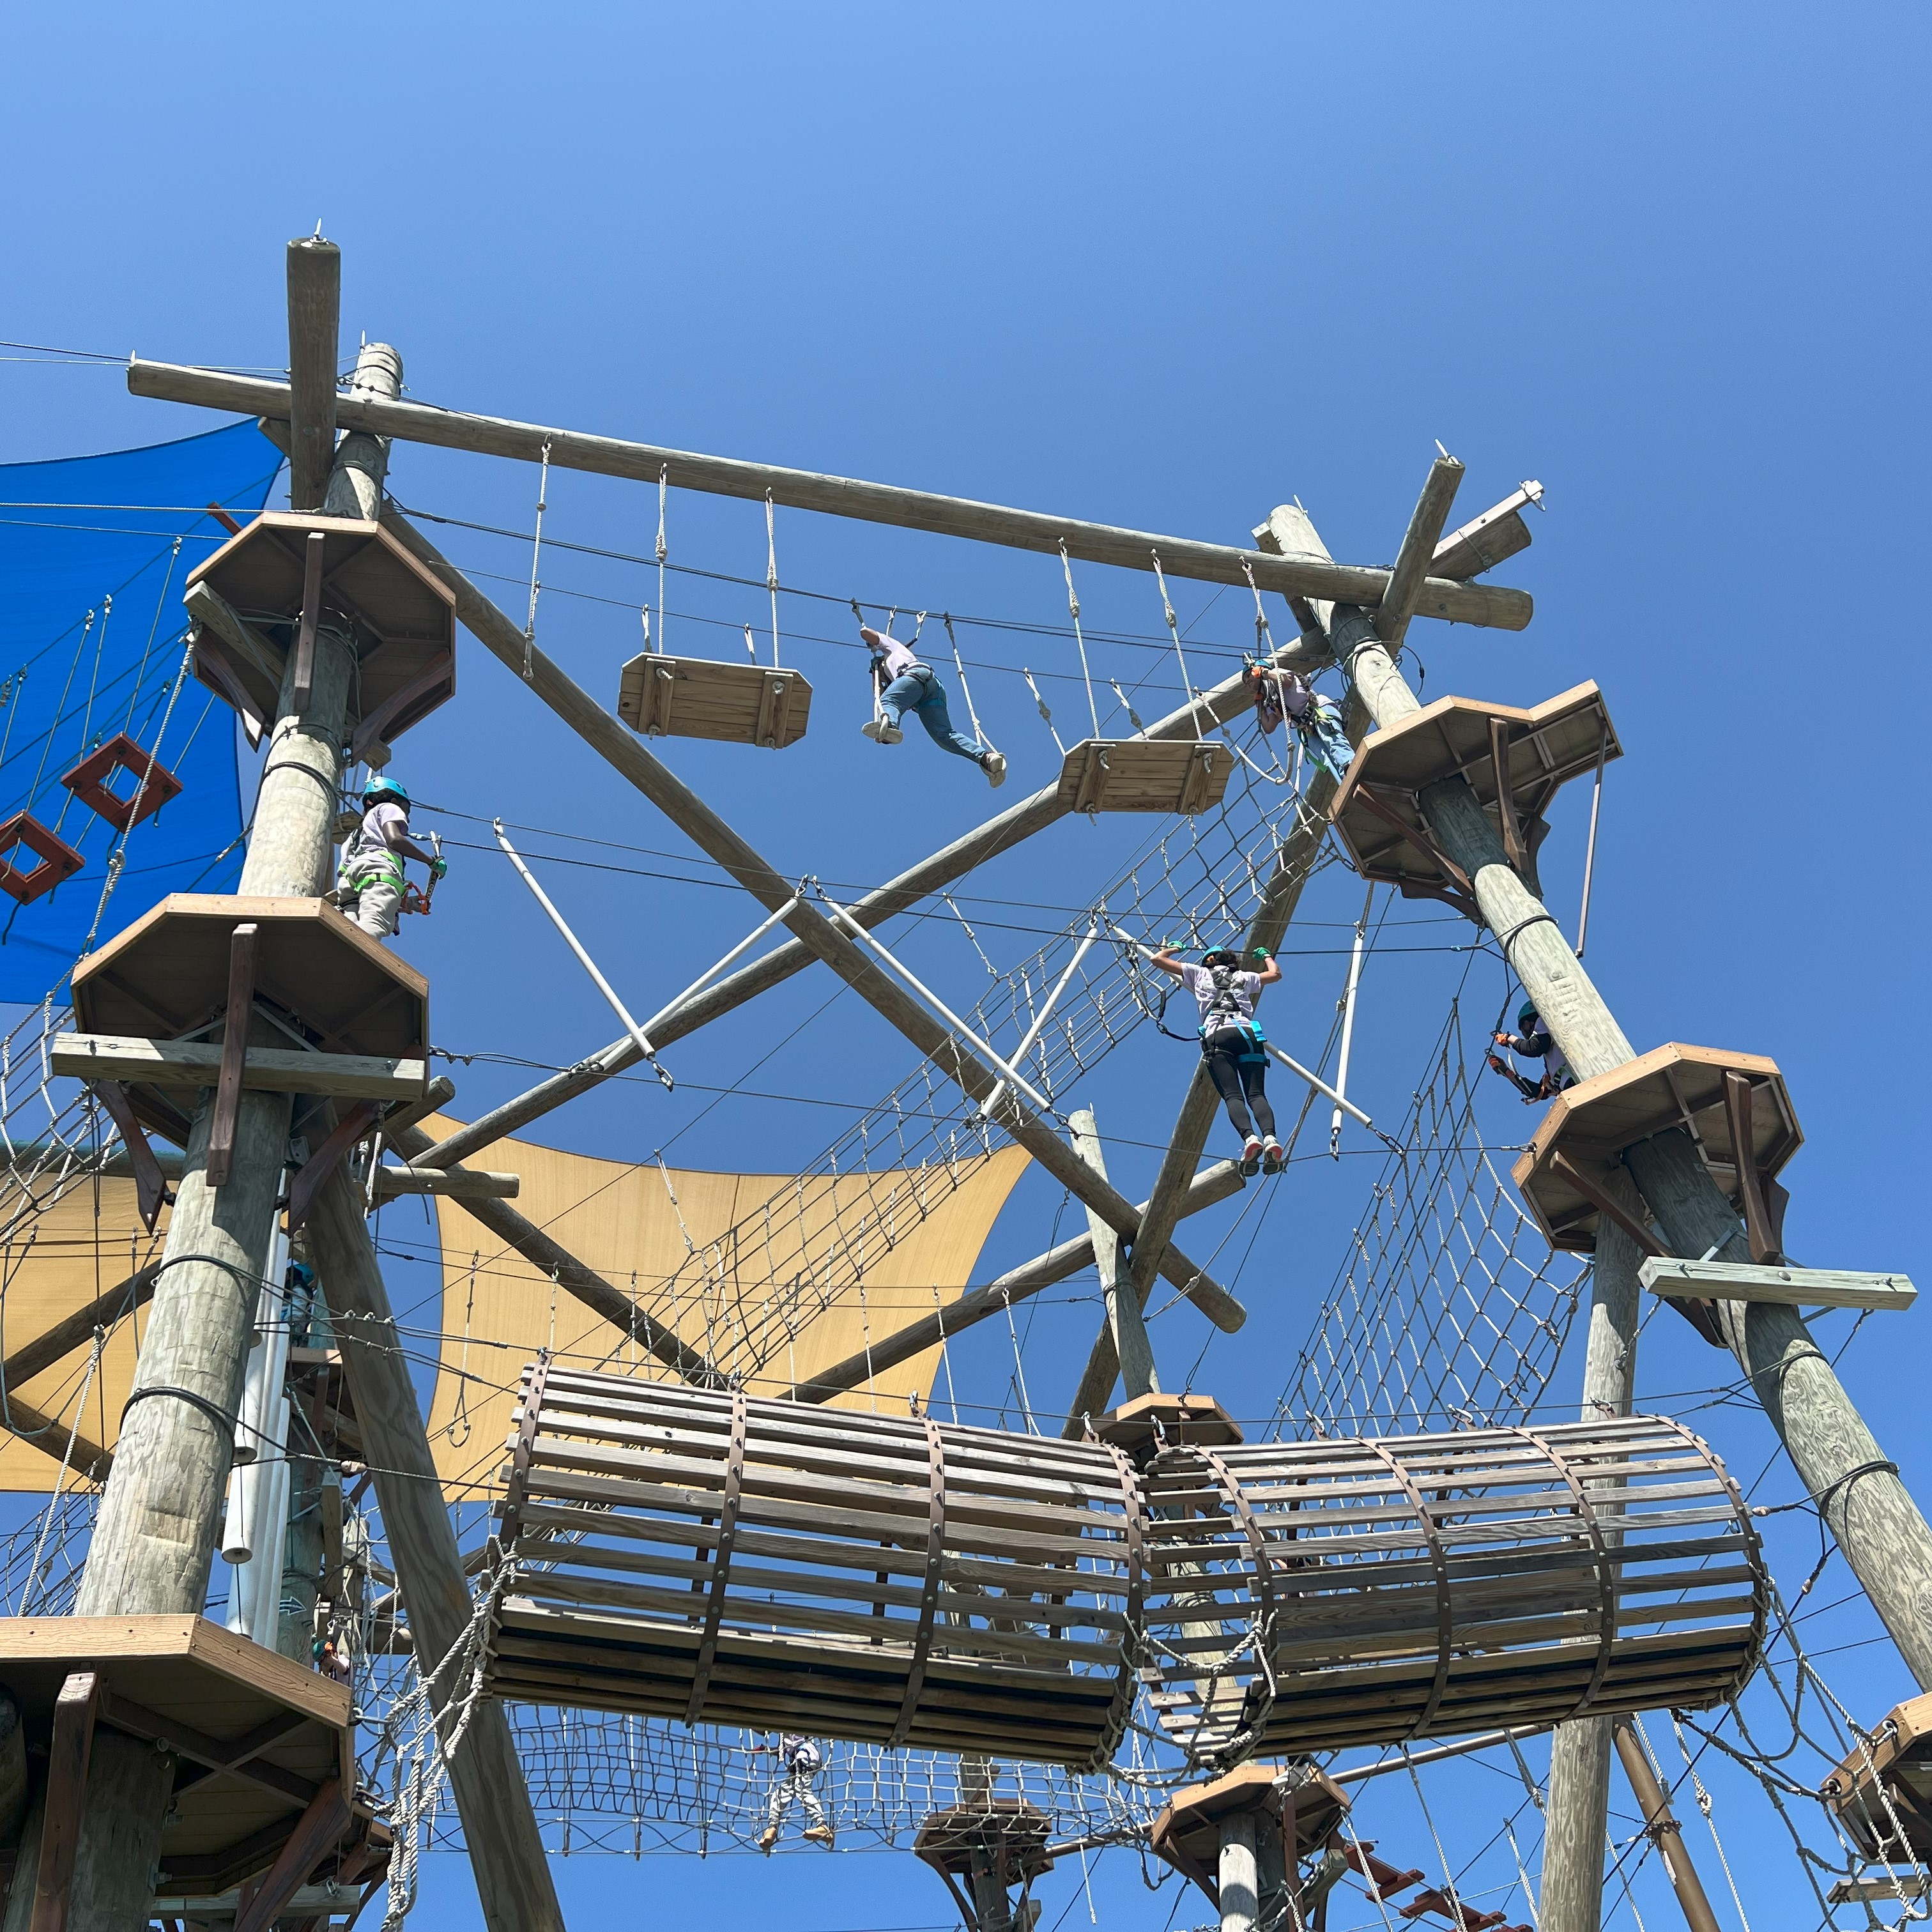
x: 379, y: 790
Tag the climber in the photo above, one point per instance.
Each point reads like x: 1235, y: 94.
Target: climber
x: 1232, y: 1044
x: 799, y: 1760
x: 1278, y: 692
x: 370, y: 886
x: 902, y: 684
x: 1535, y: 1042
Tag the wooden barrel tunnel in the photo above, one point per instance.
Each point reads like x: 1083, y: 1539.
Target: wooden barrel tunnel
x: 698, y: 1555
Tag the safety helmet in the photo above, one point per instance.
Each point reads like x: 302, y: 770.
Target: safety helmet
x: 379, y: 789
x: 1223, y: 955
x: 1527, y: 1018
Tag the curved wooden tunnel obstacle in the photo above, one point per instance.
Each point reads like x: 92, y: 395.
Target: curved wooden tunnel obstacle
x: 698, y: 1555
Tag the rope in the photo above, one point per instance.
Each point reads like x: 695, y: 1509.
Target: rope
x: 1045, y: 714
x: 772, y: 575
x: 67, y: 1458
x: 1073, y: 610
x: 536, y: 553
x: 664, y: 487
x: 1187, y: 690
x: 965, y: 690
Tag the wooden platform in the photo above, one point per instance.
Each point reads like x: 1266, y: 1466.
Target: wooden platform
x: 403, y: 617
x: 1377, y: 811
x: 1187, y: 1834
x: 1149, y: 1423
x: 1015, y: 1832
x: 1884, y: 1798
x: 699, y: 697
x: 1180, y: 774
x: 258, y: 1737
x: 1588, y: 1126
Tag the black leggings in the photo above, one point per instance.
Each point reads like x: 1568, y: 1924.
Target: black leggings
x: 1238, y: 1068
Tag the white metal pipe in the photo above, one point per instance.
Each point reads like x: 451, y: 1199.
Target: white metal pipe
x: 1348, y: 1027
x: 265, y: 1566
x: 583, y: 958
x: 737, y: 952
x: 1590, y: 850
x: 1045, y: 1013
x: 1320, y: 1085
x: 268, y: 1363
x: 940, y: 1007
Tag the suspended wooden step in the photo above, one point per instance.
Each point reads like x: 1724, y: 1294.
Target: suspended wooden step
x: 327, y: 984
x: 150, y: 785
x: 1182, y: 774
x: 266, y: 1747
x: 1289, y: 1802
x: 699, y: 697
x: 1882, y: 1794
x: 58, y: 860
x: 701, y: 1556
x: 1377, y: 810
x: 248, y: 600
x: 1583, y: 1136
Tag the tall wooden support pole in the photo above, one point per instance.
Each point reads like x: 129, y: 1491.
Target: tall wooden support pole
x: 506, y: 1850
x: 355, y: 485
x: 1580, y: 1755
x: 1239, y: 1878
x: 1661, y: 1826
x: 1882, y: 1532
x: 315, y: 300
x: 1125, y: 1322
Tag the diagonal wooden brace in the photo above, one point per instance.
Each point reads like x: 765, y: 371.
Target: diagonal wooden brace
x: 1512, y: 845
x: 1759, y: 1230
x: 243, y: 951
x: 311, y: 613
x: 1462, y: 891
x: 68, y: 1755
x: 313, y: 1172
x: 317, y: 1833
x: 151, y: 1191
x: 1605, y: 1203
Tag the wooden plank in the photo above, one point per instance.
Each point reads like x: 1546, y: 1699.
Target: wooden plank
x: 75, y: 1710
x: 243, y: 953
x: 193, y: 1063
x: 1802, y: 1287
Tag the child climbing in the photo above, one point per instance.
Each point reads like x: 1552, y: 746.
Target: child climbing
x: 1231, y: 1043
x: 370, y: 886
x: 1279, y: 692
x: 799, y: 1760
x: 1534, y: 1041
x: 903, y: 684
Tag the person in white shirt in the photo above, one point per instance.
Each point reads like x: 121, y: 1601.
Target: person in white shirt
x: 1233, y: 1044
x: 1279, y: 692
x: 799, y: 1760
x: 904, y: 684
x: 369, y: 887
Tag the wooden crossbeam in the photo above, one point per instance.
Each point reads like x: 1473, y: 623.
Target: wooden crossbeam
x: 1404, y: 590
x: 195, y: 1063
x: 1444, y: 598
x: 1755, y: 1281
x: 461, y: 1183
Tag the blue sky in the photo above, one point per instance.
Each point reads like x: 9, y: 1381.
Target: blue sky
x: 1161, y: 268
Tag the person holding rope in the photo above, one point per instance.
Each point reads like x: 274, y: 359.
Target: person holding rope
x: 1232, y: 1043
x: 901, y: 683
x: 371, y: 887
x: 1534, y: 1041
x: 1279, y: 692
x: 799, y: 1758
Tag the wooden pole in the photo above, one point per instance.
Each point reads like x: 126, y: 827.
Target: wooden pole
x: 1488, y: 604
x: 1580, y: 1754
x: 999, y: 834
x: 315, y: 300
x: 1126, y: 1324
x: 1661, y: 1827
x: 1238, y: 1878
x: 506, y: 1852
x: 362, y: 463
x: 626, y: 754
x: 1881, y: 1531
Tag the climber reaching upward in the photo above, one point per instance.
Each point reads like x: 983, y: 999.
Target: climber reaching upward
x: 1233, y: 1045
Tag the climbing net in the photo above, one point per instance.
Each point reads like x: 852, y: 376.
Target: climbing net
x: 1450, y: 1308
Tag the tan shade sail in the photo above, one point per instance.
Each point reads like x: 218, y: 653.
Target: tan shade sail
x: 773, y: 1276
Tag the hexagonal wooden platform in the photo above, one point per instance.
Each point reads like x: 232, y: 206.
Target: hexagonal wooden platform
x: 1589, y: 1125
x: 1186, y: 1835
x: 1542, y: 749
x: 403, y: 616
x: 699, y: 697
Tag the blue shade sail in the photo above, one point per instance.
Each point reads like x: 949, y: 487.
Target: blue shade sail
x: 93, y: 553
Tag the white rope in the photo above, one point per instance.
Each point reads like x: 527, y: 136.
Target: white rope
x: 1045, y: 714
x: 772, y: 575
x: 536, y: 555
x: 1073, y: 609
x: 1127, y: 705
x: 67, y: 1456
x: 1187, y: 690
x: 751, y: 647
x: 979, y: 731
x: 663, y: 488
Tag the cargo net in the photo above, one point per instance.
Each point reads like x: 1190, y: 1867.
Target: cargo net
x: 53, y: 1131
x: 1069, y: 1003
x: 1450, y: 1308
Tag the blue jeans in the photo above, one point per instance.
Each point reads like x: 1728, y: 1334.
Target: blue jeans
x: 919, y: 690
x: 1322, y: 732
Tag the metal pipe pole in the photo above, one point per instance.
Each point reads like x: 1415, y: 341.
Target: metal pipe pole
x: 1045, y: 1013
x: 1348, y: 1027
x: 1662, y: 1829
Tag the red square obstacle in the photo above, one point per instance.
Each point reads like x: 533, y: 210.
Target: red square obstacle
x: 58, y: 860
x: 154, y: 784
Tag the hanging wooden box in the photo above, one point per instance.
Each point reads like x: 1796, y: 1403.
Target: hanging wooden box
x: 1882, y: 1794
x: 58, y: 860
x: 152, y: 784
x: 208, y: 1695
x: 708, y: 1558
x: 402, y: 615
x: 1672, y: 1086
x: 697, y: 697
x: 1180, y: 774
x: 1544, y: 747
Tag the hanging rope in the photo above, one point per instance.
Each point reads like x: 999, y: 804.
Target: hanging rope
x: 1173, y: 631
x: 1127, y: 705
x: 1045, y: 714
x: 1073, y: 610
x: 536, y: 553
x: 772, y: 575
x: 664, y: 487
x: 979, y: 732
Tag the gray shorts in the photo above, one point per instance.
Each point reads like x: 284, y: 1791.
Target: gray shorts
x: 375, y: 905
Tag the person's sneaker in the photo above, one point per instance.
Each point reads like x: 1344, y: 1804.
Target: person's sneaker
x: 1251, y: 1156
x: 890, y: 734
x: 872, y: 728
x: 767, y: 1838
x: 995, y: 766
x: 820, y: 1834
x: 1272, y: 1158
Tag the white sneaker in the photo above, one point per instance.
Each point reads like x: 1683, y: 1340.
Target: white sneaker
x: 995, y: 766
x: 1272, y: 1158
x: 880, y: 732
x: 1251, y: 1156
